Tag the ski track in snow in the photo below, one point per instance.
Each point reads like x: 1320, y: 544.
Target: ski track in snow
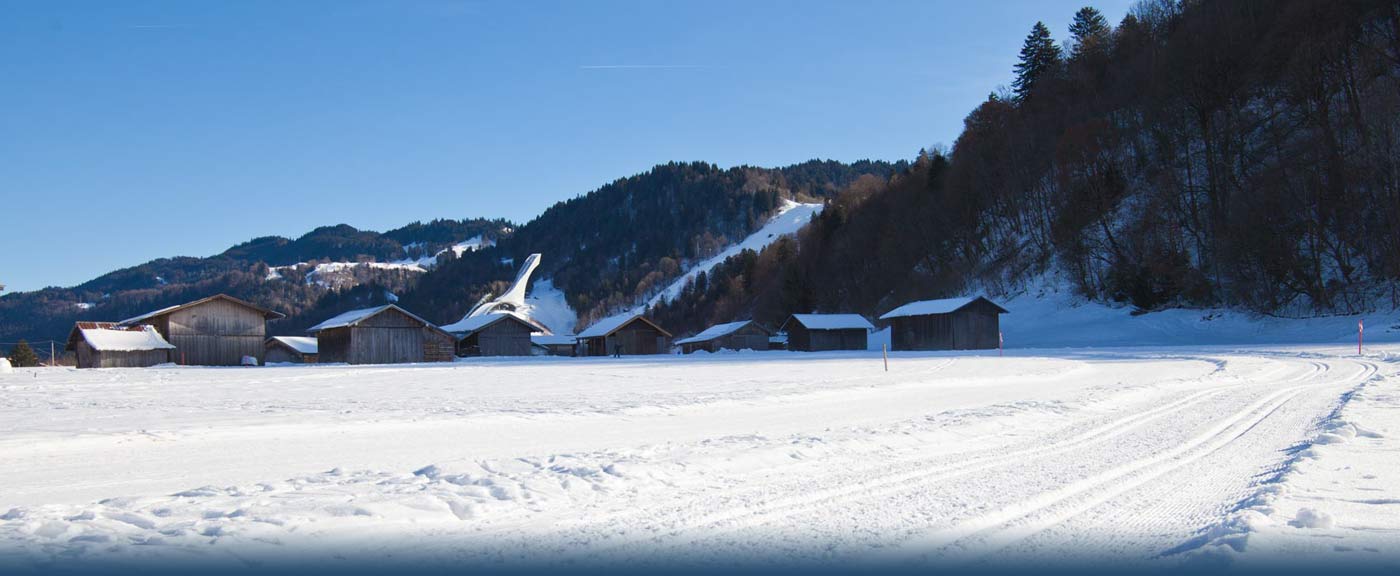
x: 1145, y: 457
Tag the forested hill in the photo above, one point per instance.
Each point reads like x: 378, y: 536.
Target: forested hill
x: 611, y: 247
x: 602, y: 248
x: 1240, y: 153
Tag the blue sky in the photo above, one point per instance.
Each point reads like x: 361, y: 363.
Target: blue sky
x: 136, y: 130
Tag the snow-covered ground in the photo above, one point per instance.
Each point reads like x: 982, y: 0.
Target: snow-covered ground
x: 1142, y: 457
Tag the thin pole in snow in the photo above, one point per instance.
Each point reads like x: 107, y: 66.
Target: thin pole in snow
x: 1000, y: 341
x: 885, y: 352
x: 1360, y: 334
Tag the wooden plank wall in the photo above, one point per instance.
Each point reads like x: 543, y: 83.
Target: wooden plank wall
x: 975, y: 327
x: 637, y: 337
x: 821, y: 340
x: 215, y: 333
x: 504, y: 338
x: 390, y: 337
x: 89, y: 358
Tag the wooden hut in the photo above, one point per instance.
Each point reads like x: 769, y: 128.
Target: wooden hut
x: 623, y: 335
x: 290, y: 349
x: 948, y: 324
x: 742, y: 335
x: 494, y: 334
x: 106, y: 345
x: 216, y: 331
x: 381, y: 335
x: 554, y: 344
x: 818, y: 332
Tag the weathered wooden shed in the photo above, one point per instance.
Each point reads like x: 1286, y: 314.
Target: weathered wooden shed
x: 623, y: 335
x: 216, y: 331
x: 381, y: 335
x: 949, y: 324
x: 493, y: 334
x: 290, y: 349
x: 741, y: 335
x: 106, y: 345
x: 818, y: 332
x: 554, y: 344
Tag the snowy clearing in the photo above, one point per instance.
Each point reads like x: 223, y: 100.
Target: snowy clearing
x: 1141, y: 457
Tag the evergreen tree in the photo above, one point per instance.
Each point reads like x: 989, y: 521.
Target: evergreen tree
x: 1089, y: 32
x: 1039, y: 57
x: 22, y: 356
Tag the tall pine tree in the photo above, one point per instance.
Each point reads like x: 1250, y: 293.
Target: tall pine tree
x: 22, y: 356
x: 1040, y: 58
x: 1089, y: 32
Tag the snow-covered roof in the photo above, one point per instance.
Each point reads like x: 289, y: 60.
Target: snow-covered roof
x: 269, y: 314
x: 715, y: 331
x: 125, y: 339
x: 302, y: 344
x: 553, y: 339
x: 834, y: 321
x: 942, y: 306
x: 607, y: 326
x: 354, y: 317
x: 471, y: 324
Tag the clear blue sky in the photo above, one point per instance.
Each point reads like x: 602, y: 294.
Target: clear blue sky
x: 135, y: 130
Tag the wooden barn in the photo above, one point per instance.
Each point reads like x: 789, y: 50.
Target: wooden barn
x: 290, y: 349
x: 106, y: 345
x: 742, y: 335
x: 818, y: 332
x: 381, y: 335
x: 554, y: 344
x: 948, y: 324
x: 494, y: 334
x: 216, y: 331
x: 624, y: 335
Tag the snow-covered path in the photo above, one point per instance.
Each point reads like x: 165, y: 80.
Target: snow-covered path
x: 1138, y: 456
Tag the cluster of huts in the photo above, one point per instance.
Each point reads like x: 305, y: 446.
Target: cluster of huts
x: 225, y: 331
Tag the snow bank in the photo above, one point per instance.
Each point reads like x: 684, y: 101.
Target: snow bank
x: 1050, y: 316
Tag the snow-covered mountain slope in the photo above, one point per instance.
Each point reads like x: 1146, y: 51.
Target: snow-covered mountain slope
x: 546, y: 305
x: 790, y: 218
x: 331, y: 274
x: 339, y: 274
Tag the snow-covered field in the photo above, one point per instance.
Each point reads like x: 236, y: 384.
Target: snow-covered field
x: 1138, y: 457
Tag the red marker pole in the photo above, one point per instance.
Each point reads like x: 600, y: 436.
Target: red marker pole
x: 1360, y: 334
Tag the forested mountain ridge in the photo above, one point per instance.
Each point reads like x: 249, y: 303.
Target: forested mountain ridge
x: 602, y: 248
x: 1241, y: 153
x: 241, y: 271
x: 614, y: 246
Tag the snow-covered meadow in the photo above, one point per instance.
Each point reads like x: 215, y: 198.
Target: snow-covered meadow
x: 1143, y: 457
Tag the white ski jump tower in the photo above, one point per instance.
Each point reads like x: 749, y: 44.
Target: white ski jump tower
x: 514, y: 298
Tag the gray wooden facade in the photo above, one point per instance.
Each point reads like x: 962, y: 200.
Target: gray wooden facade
x: 390, y: 336
x: 751, y: 337
x: 636, y: 336
x: 215, y: 331
x: 975, y: 326
x: 507, y: 336
x: 805, y: 339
